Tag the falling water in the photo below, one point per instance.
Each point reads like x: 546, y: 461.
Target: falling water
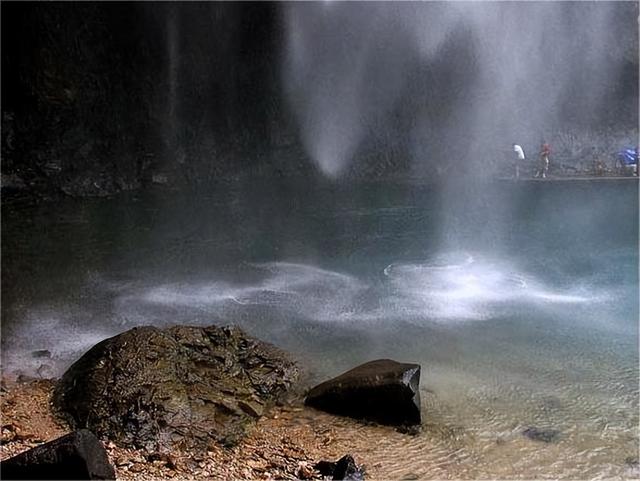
x: 470, y: 77
x: 518, y: 300
x: 173, y: 70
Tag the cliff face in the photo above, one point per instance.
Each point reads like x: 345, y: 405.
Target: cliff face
x: 102, y: 97
x: 72, y: 114
x: 108, y: 96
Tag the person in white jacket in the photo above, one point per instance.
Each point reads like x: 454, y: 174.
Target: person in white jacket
x: 519, y: 158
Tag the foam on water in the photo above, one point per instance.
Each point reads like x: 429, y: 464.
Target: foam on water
x: 468, y: 289
x: 427, y: 292
x: 492, y: 395
x: 452, y: 288
x: 55, y: 330
x: 308, y: 291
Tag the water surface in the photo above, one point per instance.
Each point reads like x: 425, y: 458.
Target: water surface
x: 519, y: 300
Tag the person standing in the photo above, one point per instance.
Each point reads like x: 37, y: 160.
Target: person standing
x: 519, y: 158
x: 543, y: 168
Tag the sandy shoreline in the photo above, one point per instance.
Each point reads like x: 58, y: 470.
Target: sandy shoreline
x: 284, y: 444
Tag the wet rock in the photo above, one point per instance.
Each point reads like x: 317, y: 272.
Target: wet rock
x: 345, y: 468
x: 78, y: 455
x: 325, y: 468
x: 10, y: 183
x: 543, y: 435
x: 156, y: 388
x: 384, y: 391
x: 41, y: 353
x: 411, y: 430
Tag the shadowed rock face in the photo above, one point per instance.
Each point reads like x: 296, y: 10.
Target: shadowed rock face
x: 155, y: 388
x: 77, y: 455
x: 384, y: 391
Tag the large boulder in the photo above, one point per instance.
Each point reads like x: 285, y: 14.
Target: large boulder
x: 384, y: 391
x: 77, y: 455
x: 155, y: 388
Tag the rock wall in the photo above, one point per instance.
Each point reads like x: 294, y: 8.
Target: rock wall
x: 102, y: 97
x: 99, y: 97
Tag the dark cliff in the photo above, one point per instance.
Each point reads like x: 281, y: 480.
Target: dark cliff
x: 102, y: 97
x: 110, y: 96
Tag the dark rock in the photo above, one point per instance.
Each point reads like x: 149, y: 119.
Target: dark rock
x: 41, y: 353
x: 154, y: 388
x: 543, y: 435
x: 384, y: 391
x: 411, y: 430
x: 345, y: 468
x: 10, y: 183
x: 78, y: 455
x: 325, y: 468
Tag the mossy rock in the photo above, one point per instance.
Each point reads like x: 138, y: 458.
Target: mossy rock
x: 181, y: 386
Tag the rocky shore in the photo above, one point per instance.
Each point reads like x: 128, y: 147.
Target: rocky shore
x: 286, y: 440
x: 284, y: 444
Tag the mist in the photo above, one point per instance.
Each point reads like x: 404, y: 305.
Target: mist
x: 337, y: 178
x: 459, y: 81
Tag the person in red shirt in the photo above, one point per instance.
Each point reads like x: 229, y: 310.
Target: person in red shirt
x: 543, y: 168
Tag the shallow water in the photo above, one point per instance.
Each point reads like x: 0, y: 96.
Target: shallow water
x: 519, y: 300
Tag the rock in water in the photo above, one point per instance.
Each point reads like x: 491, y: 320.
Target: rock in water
x: 154, y: 388
x: 348, y: 470
x: 78, y: 455
x: 344, y: 468
x: 384, y: 391
x: 544, y: 435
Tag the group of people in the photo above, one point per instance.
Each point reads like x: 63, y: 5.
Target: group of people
x: 543, y: 160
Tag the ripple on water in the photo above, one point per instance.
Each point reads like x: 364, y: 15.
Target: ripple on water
x: 484, y: 389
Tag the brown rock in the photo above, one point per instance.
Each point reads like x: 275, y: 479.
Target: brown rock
x: 155, y: 388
